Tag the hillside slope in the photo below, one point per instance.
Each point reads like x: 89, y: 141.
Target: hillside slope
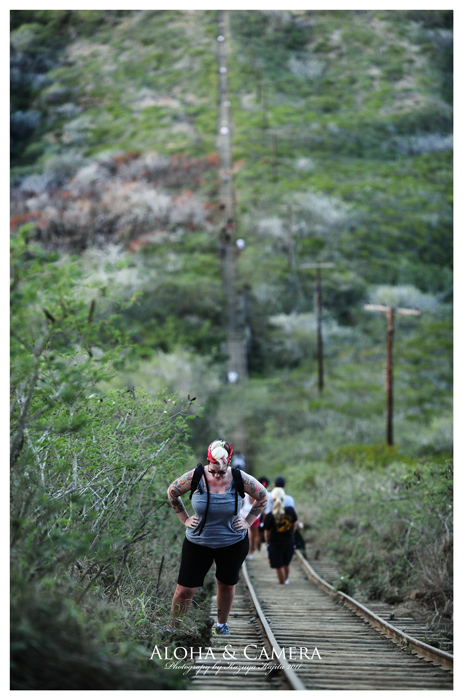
x: 344, y: 116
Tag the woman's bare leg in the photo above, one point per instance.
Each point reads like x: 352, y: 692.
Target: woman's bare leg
x: 225, y: 596
x: 254, y: 540
x: 181, y: 602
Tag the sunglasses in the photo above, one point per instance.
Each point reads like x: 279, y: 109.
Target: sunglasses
x: 220, y: 473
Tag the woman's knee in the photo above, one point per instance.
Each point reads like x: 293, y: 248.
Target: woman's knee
x: 184, y: 593
x: 226, y: 586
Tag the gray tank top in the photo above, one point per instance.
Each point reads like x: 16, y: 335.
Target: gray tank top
x: 217, y: 531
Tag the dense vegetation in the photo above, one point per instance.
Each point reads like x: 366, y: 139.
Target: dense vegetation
x: 118, y: 307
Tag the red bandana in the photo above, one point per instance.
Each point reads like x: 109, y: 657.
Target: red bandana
x: 223, y: 444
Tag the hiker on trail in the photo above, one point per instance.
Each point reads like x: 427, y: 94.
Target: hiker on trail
x: 279, y: 483
x: 265, y: 481
x: 289, y: 501
x: 254, y: 532
x: 279, y: 527
x: 238, y: 460
x: 254, y: 537
x: 215, y: 532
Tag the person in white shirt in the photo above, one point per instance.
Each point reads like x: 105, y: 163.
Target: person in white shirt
x: 254, y: 531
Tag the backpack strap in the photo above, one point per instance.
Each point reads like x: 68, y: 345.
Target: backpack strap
x: 198, y: 472
x: 237, y: 480
x: 239, y: 486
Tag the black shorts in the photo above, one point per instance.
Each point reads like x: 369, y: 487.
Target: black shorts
x: 197, y: 560
x: 280, y: 557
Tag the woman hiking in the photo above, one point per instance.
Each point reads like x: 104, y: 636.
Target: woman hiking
x: 279, y: 526
x: 215, y: 532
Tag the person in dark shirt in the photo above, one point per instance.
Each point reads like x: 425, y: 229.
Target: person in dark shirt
x: 279, y: 527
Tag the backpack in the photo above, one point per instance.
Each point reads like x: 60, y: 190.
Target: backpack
x: 237, y: 480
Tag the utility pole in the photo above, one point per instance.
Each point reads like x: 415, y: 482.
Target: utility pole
x: 289, y: 235
x: 290, y: 208
x: 251, y: 40
x: 290, y: 250
x: 259, y: 83
x: 264, y: 95
x: 318, y: 312
x: 390, y: 312
x: 275, y: 156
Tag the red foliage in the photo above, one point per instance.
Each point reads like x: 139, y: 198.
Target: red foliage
x: 213, y: 159
x: 73, y: 218
x: 136, y: 245
x: 238, y: 165
x: 140, y: 242
x: 186, y: 194
x: 125, y: 158
x: 31, y: 216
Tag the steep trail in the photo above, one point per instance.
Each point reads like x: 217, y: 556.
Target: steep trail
x: 237, y: 370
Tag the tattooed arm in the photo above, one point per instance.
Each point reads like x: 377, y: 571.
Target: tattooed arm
x: 256, y: 491
x: 176, y: 489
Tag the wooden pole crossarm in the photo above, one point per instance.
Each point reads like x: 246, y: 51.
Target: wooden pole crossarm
x: 307, y: 266
x: 290, y: 208
x: 399, y: 311
x: 408, y: 312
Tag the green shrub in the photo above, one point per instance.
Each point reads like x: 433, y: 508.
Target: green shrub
x: 346, y: 585
x: 390, y: 529
x: 369, y: 457
x: 58, y: 644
